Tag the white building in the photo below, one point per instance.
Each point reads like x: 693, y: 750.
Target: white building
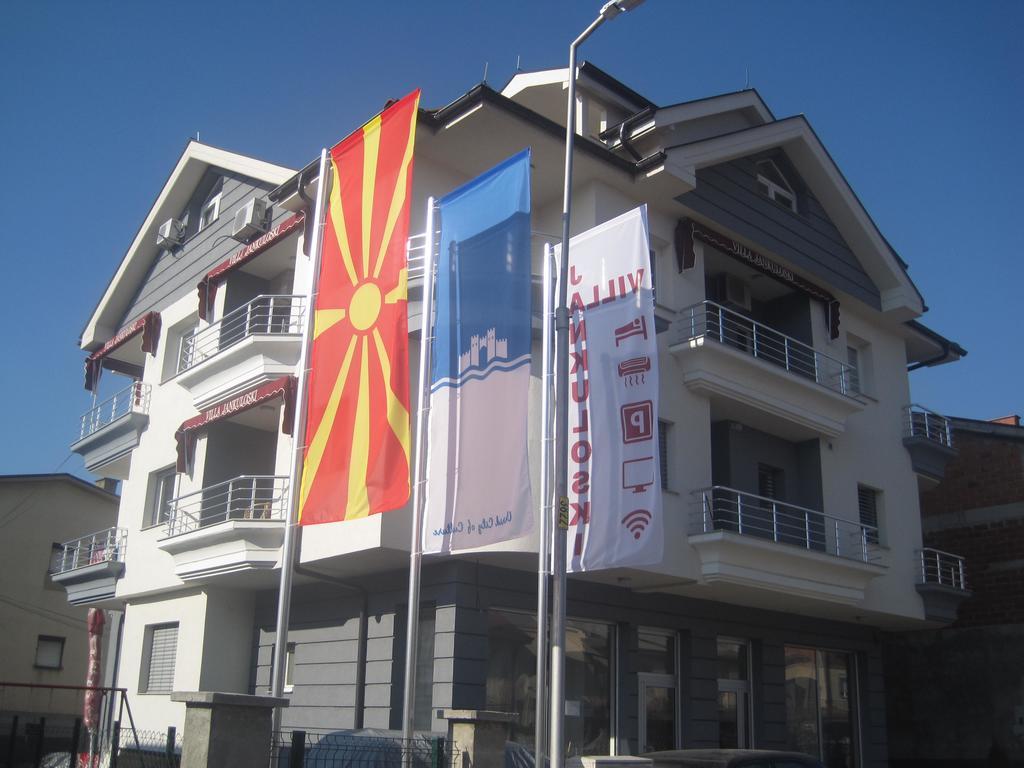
x: 786, y: 327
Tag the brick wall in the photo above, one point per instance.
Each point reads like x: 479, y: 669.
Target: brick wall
x: 988, y: 471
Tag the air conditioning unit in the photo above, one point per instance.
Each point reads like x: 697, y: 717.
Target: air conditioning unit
x: 169, y: 234
x: 250, y: 220
x: 730, y: 290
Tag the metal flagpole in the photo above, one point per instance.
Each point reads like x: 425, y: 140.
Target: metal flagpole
x: 609, y: 10
x: 416, y: 546
x: 546, y: 508
x: 284, y: 595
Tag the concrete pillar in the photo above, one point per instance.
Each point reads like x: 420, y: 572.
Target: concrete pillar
x: 476, y: 737
x: 226, y: 730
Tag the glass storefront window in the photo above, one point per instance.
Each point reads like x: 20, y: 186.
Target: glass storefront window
x: 819, y: 710
x: 656, y: 652
x: 512, y: 679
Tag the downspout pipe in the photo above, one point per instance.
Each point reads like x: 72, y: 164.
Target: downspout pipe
x: 364, y: 610
x: 627, y: 125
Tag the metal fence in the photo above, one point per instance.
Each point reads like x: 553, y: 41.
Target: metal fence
x: 268, y: 314
x: 100, y: 547
x: 132, y: 399
x: 352, y: 749
x: 249, y: 497
x: 710, y: 321
x: 726, y: 509
x: 43, y: 726
x: 943, y: 568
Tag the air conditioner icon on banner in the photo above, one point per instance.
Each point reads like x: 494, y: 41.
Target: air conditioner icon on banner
x: 638, y: 474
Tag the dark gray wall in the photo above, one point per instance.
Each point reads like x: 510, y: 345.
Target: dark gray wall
x: 233, y: 450
x: 789, y: 314
x: 324, y: 621
x: 727, y: 194
x: 172, y: 275
x: 735, y: 454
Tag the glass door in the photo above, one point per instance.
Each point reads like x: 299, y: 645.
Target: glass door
x: 657, y: 715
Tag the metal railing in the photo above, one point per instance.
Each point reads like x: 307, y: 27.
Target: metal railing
x: 709, y: 320
x: 415, y: 254
x: 132, y: 399
x: 249, y: 497
x: 918, y: 421
x: 100, y: 547
x: 279, y: 315
x: 944, y: 568
x: 726, y: 509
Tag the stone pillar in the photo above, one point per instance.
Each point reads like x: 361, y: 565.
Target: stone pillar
x: 479, y: 736
x: 226, y: 730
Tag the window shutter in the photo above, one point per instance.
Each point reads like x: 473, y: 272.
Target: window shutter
x: 162, y: 652
x: 663, y: 451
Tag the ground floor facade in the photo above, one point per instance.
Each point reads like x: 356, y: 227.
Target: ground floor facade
x: 644, y: 670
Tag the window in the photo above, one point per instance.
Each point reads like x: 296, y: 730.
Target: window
x: 819, y: 711
x: 56, y: 559
x: 289, y: 668
x: 49, y: 652
x: 853, y: 376
x: 663, y: 427
x: 734, y: 694
x: 210, y: 212
x: 769, y: 481
x: 867, y: 505
x: 773, y: 185
x: 161, y: 491
x: 657, y: 692
x: 160, y: 646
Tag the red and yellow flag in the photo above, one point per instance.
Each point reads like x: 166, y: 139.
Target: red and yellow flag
x: 357, y: 429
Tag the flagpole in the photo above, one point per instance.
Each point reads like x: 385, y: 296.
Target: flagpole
x: 416, y: 545
x: 284, y: 595
x: 546, y: 508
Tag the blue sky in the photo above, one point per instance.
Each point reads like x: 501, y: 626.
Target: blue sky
x: 918, y: 102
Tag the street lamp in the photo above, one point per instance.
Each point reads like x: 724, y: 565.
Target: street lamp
x: 609, y: 10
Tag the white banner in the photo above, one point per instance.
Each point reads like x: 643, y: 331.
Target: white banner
x: 614, y: 494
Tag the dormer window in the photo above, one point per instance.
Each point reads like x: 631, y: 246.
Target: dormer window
x: 773, y: 185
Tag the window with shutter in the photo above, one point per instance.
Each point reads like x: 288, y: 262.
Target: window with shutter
x: 158, y: 660
x: 769, y: 481
x: 867, y: 503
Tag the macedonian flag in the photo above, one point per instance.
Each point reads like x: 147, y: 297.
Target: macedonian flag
x: 357, y: 428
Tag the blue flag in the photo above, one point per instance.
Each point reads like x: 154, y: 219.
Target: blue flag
x: 478, y: 483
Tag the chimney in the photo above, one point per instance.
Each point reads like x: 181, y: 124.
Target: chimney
x: 1013, y: 420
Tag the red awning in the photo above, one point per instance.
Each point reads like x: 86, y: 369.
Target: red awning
x: 148, y: 325
x: 208, y: 285
x: 188, y: 432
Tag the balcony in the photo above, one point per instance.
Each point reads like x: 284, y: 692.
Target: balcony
x: 230, y: 527
x: 89, y: 567
x: 942, y: 584
x: 111, y: 430
x: 799, y: 392
x: 756, y: 542
x: 257, y: 342
x: 928, y: 437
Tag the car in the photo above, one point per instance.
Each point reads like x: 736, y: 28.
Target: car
x: 731, y: 758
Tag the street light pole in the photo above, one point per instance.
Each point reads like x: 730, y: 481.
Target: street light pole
x: 556, y: 751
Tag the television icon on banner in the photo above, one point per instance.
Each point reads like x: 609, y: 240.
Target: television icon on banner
x: 637, y: 421
x: 638, y: 474
x: 635, y: 327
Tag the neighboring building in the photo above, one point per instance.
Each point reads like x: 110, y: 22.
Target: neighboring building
x: 787, y: 323
x: 957, y: 694
x: 44, y: 640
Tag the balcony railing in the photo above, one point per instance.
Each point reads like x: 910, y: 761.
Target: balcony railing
x: 918, y: 421
x: 726, y: 509
x: 100, y: 547
x: 710, y: 321
x: 249, y: 497
x: 279, y: 315
x: 132, y: 399
x: 942, y: 568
